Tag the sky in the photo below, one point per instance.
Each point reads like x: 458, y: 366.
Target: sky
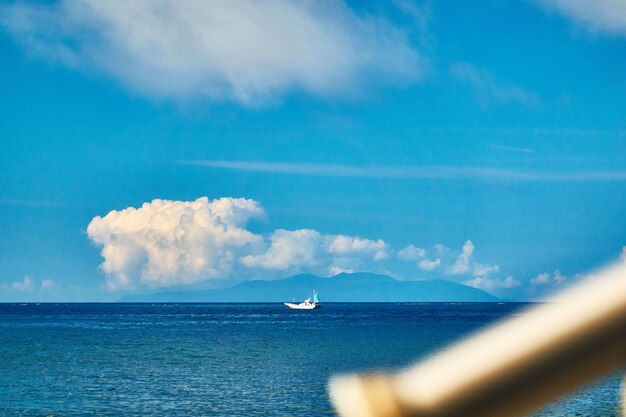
x: 171, y: 145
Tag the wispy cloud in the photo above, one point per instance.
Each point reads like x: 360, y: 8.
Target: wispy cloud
x: 421, y: 16
x: 245, y: 51
x: 511, y: 149
x: 30, y: 203
x: 415, y: 172
x: 552, y: 132
x: 597, y: 15
x: 489, y: 90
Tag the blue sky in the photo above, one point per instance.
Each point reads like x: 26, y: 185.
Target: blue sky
x: 484, y: 144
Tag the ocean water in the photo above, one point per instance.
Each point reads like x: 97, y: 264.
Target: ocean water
x: 225, y: 359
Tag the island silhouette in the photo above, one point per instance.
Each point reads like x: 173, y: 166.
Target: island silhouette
x: 344, y: 287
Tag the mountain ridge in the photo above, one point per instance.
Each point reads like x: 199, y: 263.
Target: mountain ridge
x: 343, y: 287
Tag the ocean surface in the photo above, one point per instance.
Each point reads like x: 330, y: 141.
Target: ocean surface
x: 225, y: 359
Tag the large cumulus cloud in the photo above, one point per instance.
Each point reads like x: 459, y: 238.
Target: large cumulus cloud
x: 165, y: 243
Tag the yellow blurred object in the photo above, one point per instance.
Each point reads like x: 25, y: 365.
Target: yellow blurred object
x: 509, y: 369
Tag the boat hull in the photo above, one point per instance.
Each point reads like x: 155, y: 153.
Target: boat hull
x: 303, y: 306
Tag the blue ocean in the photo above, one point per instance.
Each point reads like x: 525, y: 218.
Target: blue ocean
x: 226, y: 359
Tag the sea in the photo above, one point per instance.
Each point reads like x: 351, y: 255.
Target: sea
x: 108, y: 359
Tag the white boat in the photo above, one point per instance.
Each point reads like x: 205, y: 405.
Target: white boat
x: 307, y: 304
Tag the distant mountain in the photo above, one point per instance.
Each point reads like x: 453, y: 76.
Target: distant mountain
x: 357, y: 287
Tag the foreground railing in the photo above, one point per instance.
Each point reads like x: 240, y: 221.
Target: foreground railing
x: 509, y: 369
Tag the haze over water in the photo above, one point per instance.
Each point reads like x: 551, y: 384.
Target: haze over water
x: 225, y: 359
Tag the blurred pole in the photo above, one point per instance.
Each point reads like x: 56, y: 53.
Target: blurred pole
x: 509, y: 369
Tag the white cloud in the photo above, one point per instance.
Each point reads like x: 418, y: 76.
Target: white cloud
x: 546, y: 284
x: 453, y: 264
x: 342, y: 245
x: 28, y: 284
x: 597, y: 15
x: 428, y: 265
x: 493, y: 284
x: 289, y: 249
x: 488, y: 90
x: 25, y: 284
x: 411, y: 253
x: 242, y: 50
x: 308, y: 249
x: 622, y: 256
x: 555, y: 279
x: 441, y: 249
x: 482, y: 270
x: 165, y: 243
x: 462, y: 264
x: 541, y: 279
